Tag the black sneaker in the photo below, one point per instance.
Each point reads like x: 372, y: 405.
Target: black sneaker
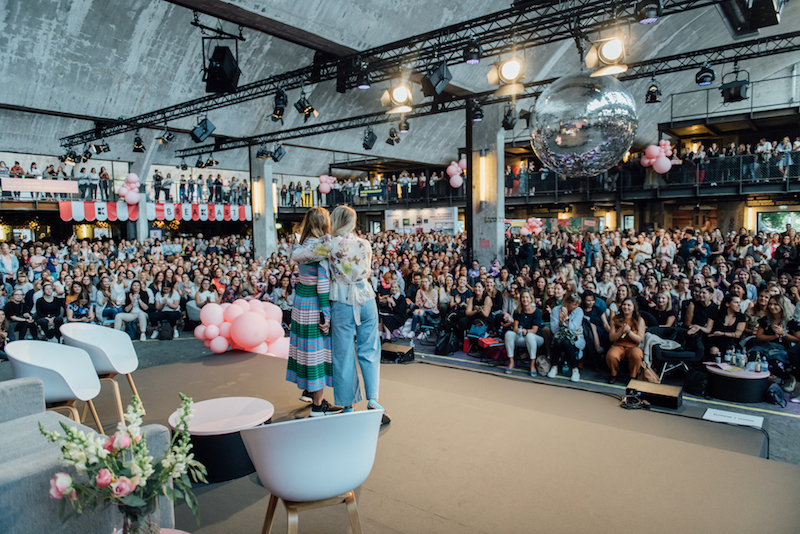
x: 306, y: 396
x: 324, y: 409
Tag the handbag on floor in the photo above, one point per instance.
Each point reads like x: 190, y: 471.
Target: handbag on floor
x: 647, y: 374
x: 542, y: 365
x: 446, y: 344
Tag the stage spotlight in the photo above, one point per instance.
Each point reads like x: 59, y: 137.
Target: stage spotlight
x: 403, y: 125
x: 183, y: 166
x: 87, y: 155
x: 202, y: 130
x: 281, y: 101
x: 165, y: 138
x: 477, y: 111
x: 736, y: 90
x: 608, y: 52
x: 393, y: 137
x: 262, y: 153
x: 304, y: 107
x: 653, y: 95
x: 648, y: 11
x: 278, y: 153
x: 369, y: 139
x: 510, y: 70
x: 510, y: 117
x: 472, y: 52
x: 138, y: 145
x: 705, y: 76
x: 99, y: 148
x: 507, y: 75
x: 399, y: 98
x: 211, y: 161
x: 437, y: 78
x: 363, y: 76
x: 200, y: 163
x: 611, y: 51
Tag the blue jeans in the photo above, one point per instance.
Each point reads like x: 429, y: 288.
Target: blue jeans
x: 346, y: 389
x: 420, y: 320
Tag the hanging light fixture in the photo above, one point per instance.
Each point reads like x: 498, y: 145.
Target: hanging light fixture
x: 304, y: 107
x: 398, y: 97
x: 403, y: 125
x: 473, y: 52
x: 138, y: 145
x: 705, y: 76
x: 648, y: 11
x: 477, y: 111
x: 653, y: 95
x: 363, y: 76
x: 507, y: 74
x: 281, y: 101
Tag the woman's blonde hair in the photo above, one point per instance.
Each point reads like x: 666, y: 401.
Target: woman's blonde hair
x: 343, y: 220
x: 316, y: 223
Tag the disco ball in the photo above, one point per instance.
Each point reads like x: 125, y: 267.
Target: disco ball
x: 582, y: 126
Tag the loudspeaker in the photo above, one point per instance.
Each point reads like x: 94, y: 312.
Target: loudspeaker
x: 656, y: 394
x: 436, y: 80
x: 202, y: 131
x: 369, y: 140
x: 223, y: 72
x: 393, y: 353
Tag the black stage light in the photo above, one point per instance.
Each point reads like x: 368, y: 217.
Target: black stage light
x: 648, y: 11
x: 223, y: 73
x: 393, y: 137
x: 369, y: 139
x: 138, y: 145
x: 403, y: 125
x: 211, y: 161
x: 705, y: 76
x: 735, y: 91
x: 183, y: 166
x: 510, y: 118
x: 653, y: 95
x: 526, y: 116
x: 281, y: 101
x: 200, y: 163
x: 202, y: 130
x: 477, y: 111
x: 363, y: 77
x: 278, y: 153
x: 304, y: 107
x: 262, y: 153
x: 165, y: 138
x: 87, y: 155
x: 472, y: 52
x: 437, y: 78
x: 99, y: 148
x: 71, y: 157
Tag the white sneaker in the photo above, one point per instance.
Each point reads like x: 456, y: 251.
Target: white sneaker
x: 154, y: 334
x: 576, y: 375
x: 552, y: 372
x: 174, y: 333
x: 143, y: 337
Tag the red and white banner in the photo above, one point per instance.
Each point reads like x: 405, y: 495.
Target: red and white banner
x: 97, y: 211
x: 198, y: 212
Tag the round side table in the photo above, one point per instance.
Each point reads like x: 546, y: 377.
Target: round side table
x: 737, y: 386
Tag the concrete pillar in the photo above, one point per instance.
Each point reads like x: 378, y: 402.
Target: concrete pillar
x: 141, y: 168
x: 265, y: 236
x: 488, y: 166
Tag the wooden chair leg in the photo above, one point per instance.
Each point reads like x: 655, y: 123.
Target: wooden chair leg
x: 117, y: 399
x: 94, y: 415
x: 133, y: 389
x: 352, y: 511
x: 71, y: 410
x: 83, y: 415
x: 270, y: 517
x: 292, y: 520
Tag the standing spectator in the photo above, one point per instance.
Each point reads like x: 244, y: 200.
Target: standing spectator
x: 210, y: 187
x: 190, y: 190
x: 298, y: 193
x: 94, y: 183
x: 182, y: 189
x: 700, y: 161
x: 290, y: 192
x: 199, y: 184
x: 784, y: 152
x: 83, y: 184
x: 218, y: 190
x: 167, y: 187
x: 284, y: 194
x: 157, y: 183
x: 307, y: 198
x: 105, y: 179
x: 763, y: 155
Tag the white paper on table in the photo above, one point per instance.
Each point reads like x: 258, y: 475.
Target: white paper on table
x: 722, y: 416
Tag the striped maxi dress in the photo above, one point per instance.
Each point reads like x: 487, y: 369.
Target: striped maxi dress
x: 309, y: 364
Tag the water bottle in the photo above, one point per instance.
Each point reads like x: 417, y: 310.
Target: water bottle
x: 565, y: 368
x: 764, y: 364
x: 729, y: 355
x: 758, y: 366
x: 412, y: 342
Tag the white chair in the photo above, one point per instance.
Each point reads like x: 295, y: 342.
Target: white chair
x: 67, y: 373
x: 192, y: 311
x: 111, y: 351
x: 289, y: 464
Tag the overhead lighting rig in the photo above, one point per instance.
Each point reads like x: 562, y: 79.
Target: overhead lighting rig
x: 736, y: 90
x: 99, y: 148
x: 507, y: 74
x: 304, y: 107
x: 705, y: 76
x: 398, y: 97
x: 138, y: 145
x: 393, y: 139
x: 369, y: 139
x: 653, y: 95
x: 281, y: 101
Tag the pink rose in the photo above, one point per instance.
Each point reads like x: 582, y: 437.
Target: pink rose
x: 122, y: 486
x: 121, y: 440
x: 109, y: 446
x: 60, y: 486
x: 104, y: 478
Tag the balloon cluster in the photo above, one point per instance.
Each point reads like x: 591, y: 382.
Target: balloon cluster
x: 325, y: 183
x: 658, y: 157
x: 253, y: 326
x: 130, y: 190
x: 532, y: 226
x: 454, y: 172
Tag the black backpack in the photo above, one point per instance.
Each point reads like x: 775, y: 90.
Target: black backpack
x: 165, y: 331
x: 696, y: 383
x: 446, y: 343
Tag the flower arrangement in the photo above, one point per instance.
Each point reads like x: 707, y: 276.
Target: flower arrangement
x: 119, y: 470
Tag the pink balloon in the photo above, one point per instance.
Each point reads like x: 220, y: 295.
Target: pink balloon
x: 232, y: 312
x: 524, y: 231
x: 261, y: 311
x: 249, y: 330
x: 212, y: 331
x: 456, y: 181
x: 662, y: 165
x: 274, y: 331
x: 261, y: 349
x: 131, y: 179
x: 207, y: 343
x: 122, y: 191
x: 212, y: 314
x: 462, y: 163
x: 324, y: 188
x: 243, y: 304
x: 453, y: 170
x: 132, y: 197
x: 652, y: 151
x: 200, y: 332
x: 225, y: 305
x: 255, y: 304
x: 662, y: 142
x: 225, y: 330
x: 280, y: 349
x: 274, y: 313
x: 668, y: 153
x: 219, y: 345
x: 646, y: 162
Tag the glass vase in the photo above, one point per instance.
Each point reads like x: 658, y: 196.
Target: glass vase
x: 139, y: 520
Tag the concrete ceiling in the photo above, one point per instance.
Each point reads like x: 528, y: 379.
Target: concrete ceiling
x: 106, y: 59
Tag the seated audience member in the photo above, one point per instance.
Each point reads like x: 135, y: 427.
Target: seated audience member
x: 728, y: 326
x: 167, y: 307
x: 207, y: 293
x: 778, y: 330
x: 597, y: 319
x: 527, y: 321
x: 427, y: 307
x: 478, y: 310
x: 510, y: 306
x: 700, y: 313
x: 80, y: 310
x: 3, y: 334
x: 234, y: 291
x: 19, y: 317
x: 395, y: 315
x: 566, y: 323
x: 48, y: 310
x: 627, y: 331
x: 283, y: 297
x: 137, y: 304
x: 663, y: 311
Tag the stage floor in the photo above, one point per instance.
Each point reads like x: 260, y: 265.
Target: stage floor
x: 479, y: 452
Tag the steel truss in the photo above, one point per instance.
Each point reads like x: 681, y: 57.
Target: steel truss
x: 515, y: 29
x: 767, y: 46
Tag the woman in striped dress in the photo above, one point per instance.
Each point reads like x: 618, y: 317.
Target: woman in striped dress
x: 309, y: 364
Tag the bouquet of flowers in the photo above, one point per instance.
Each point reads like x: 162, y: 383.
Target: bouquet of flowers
x: 118, y: 470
